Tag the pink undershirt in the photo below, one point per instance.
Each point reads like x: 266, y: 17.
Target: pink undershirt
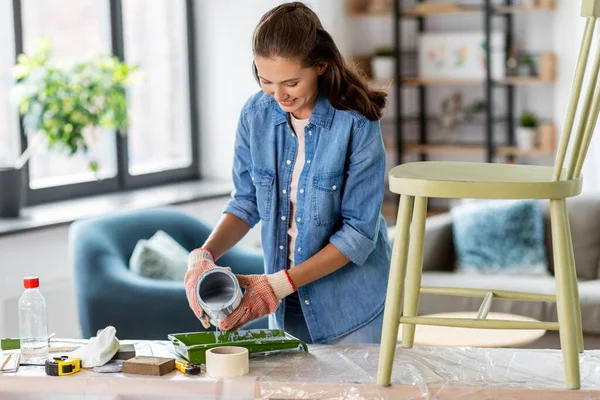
x: 298, y: 125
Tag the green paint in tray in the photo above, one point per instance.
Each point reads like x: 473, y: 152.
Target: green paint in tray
x: 192, y: 346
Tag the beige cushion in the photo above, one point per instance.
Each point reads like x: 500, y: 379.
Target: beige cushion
x: 584, y: 214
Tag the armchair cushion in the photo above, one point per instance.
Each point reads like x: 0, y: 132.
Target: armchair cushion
x: 159, y: 257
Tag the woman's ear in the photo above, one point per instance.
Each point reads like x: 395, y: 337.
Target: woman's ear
x: 322, y: 68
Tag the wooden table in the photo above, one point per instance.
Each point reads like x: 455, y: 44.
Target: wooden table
x: 429, y: 335
x: 326, y: 372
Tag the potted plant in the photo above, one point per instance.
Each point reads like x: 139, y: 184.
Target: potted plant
x: 383, y: 63
x: 527, y: 66
x: 528, y: 123
x: 61, y: 106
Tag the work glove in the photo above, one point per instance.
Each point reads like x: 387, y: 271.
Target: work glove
x: 262, y: 296
x: 199, y: 261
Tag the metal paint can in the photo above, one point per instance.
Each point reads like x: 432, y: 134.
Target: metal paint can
x: 219, y: 293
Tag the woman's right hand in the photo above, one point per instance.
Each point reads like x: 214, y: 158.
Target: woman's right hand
x: 199, y: 261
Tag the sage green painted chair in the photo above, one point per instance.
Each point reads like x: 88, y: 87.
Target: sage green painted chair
x: 416, y: 182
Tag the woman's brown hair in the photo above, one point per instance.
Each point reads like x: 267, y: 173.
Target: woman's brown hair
x: 293, y: 31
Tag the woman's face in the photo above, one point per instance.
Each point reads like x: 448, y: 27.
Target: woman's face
x: 294, y: 87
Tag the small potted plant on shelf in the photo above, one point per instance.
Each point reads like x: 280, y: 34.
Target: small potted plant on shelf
x: 527, y: 65
x: 64, y: 107
x: 528, y: 123
x: 382, y: 65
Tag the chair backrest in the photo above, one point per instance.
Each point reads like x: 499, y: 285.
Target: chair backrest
x: 588, y: 109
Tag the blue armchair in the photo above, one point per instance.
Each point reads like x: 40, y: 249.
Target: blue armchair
x: 108, y: 293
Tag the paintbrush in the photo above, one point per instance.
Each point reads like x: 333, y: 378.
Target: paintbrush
x: 5, y: 362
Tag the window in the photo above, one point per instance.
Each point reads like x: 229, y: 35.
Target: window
x: 155, y: 38
x: 160, y: 146
x: 77, y: 29
x: 9, y: 132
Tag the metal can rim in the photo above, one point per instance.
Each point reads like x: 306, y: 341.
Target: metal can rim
x: 236, y: 288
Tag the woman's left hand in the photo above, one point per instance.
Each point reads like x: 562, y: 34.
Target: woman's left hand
x: 262, y: 297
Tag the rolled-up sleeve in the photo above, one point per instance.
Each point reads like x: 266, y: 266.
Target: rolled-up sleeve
x: 363, y: 194
x: 243, y: 197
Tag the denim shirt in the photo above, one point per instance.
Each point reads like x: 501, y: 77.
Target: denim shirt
x: 340, y: 193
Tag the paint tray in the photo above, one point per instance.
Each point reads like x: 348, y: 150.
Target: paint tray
x: 192, y: 346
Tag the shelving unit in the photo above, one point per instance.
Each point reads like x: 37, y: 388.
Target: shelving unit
x: 488, y: 146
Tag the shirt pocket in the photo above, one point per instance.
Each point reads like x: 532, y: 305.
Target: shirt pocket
x: 327, y: 197
x: 263, y: 182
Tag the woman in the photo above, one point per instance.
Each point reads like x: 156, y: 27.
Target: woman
x: 309, y: 163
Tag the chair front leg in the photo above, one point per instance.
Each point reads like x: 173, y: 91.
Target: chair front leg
x: 414, y: 269
x: 564, y: 295
x: 393, y: 300
x: 573, y: 281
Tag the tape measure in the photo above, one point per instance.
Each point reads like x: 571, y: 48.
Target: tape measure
x: 187, y: 368
x: 61, y: 366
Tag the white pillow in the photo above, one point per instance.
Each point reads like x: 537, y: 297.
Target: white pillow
x: 159, y: 257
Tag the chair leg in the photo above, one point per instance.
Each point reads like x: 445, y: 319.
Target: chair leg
x: 564, y: 296
x: 573, y: 282
x: 393, y: 301
x: 414, y: 269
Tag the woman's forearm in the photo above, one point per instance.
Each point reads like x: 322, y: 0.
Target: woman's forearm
x: 229, y: 231
x: 325, y: 262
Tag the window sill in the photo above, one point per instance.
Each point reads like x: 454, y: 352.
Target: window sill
x: 64, y: 212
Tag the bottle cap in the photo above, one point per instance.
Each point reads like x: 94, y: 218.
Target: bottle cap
x: 31, y: 282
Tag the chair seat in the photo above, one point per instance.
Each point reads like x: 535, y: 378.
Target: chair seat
x: 470, y: 180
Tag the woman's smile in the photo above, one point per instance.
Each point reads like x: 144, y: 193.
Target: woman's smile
x: 287, y: 103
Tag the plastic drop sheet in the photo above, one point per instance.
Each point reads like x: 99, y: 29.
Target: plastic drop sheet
x: 332, y: 372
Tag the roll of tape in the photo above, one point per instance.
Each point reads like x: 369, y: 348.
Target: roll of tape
x: 227, y: 361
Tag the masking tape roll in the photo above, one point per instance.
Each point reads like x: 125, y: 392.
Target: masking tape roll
x: 227, y: 361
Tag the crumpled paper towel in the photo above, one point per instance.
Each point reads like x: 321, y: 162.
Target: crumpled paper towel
x: 99, y: 350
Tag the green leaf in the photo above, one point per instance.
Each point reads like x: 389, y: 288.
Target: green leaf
x: 94, y: 166
x: 62, y: 99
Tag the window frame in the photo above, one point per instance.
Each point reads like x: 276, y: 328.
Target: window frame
x: 124, y: 180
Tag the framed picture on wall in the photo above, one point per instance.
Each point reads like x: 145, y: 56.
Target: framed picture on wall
x: 460, y: 55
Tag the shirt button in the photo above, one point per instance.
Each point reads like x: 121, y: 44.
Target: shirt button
x: 283, y: 218
x: 299, y: 249
x: 334, y: 187
x: 306, y: 302
x: 288, y: 162
x: 298, y: 220
x: 281, y: 247
x: 308, y: 161
x: 310, y: 132
x: 284, y: 191
x: 301, y: 190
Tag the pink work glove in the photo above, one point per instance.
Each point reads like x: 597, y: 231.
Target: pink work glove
x: 199, y: 261
x: 262, y: 297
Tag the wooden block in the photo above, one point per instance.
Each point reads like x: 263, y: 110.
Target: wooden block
x: 146, y: 365
x: 547, y: 67
x: 126, y: 351
x: 546, y: 4
x: 437, y: 7
x: 356, y: 6
x: 547, y: 137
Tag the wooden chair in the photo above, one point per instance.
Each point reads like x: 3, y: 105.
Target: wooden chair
x: 418, y: 181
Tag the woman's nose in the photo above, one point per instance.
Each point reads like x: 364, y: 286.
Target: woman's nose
x: 279, y: 95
